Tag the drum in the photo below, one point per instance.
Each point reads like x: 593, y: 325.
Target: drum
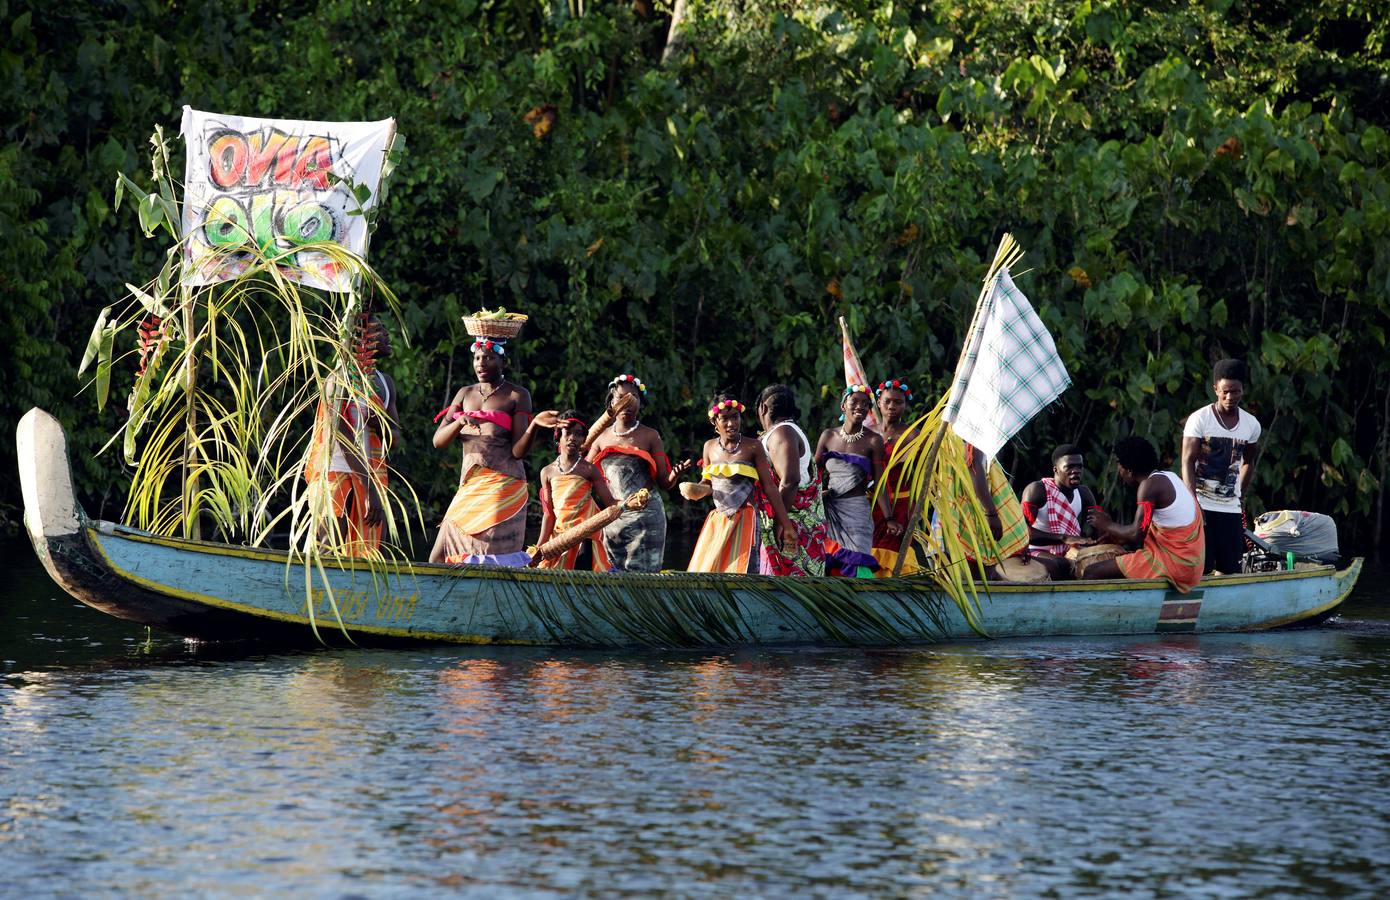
x: 1026, y: 571
x: 1081, y: 557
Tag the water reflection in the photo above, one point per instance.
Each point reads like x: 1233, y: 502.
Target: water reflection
x: 1216, y: 764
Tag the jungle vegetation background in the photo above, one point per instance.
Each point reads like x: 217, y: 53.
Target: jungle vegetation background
x: 1190, y: 179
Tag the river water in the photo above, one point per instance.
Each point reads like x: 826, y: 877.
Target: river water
x: 1217, y: 765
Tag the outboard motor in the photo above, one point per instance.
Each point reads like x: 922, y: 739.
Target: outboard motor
x: 1283, y: 534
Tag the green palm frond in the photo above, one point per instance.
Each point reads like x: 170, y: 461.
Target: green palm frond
x: 217, y: 428
x: 693, y: 610
x: 933, y: 462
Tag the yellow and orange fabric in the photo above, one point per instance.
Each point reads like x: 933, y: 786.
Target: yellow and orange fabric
x: 348, y: 492
x: 727, y: 540
x: 572, y: 499
x: 485, y: 500
x: 726, y: 544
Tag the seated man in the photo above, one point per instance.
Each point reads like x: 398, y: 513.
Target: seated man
x: 1168, y: 523
x: 1055, y: 509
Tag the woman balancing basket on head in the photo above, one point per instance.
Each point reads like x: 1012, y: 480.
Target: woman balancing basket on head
x: 486, y: 522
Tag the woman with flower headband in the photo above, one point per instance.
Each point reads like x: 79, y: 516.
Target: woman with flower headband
x: 852, y: 457
x: 798, y: 487
x: 733, y: 466
x: 890, y: 520
x: 486, y: 522
x: 572, y: 490
x: 632, y: 457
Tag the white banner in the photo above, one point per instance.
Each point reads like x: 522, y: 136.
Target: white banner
x: 269, y: 186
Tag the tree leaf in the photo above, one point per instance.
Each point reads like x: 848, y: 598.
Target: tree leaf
x: 94, y: 342
x: 103, y: 377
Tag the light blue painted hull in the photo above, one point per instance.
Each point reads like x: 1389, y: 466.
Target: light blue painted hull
x: 476, y: 605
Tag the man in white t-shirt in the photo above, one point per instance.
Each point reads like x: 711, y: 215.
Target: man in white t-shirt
x: 1219, y: 450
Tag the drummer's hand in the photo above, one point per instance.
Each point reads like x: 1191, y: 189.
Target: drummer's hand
x: 1076, y: 540
x: 894, y: 529
x: 1097, y: 519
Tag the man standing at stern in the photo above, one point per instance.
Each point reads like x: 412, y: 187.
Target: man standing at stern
x: 1219, y: 450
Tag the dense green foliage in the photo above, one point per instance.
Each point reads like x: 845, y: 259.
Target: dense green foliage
x: 1191, y: 180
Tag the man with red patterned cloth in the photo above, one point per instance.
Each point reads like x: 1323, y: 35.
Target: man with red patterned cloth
x: 1055, y: 509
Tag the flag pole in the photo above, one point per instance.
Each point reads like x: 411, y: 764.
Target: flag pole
x: 851, y: 354
x: 1007, y: 254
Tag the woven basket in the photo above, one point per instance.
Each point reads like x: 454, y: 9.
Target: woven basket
x: 504, y: 329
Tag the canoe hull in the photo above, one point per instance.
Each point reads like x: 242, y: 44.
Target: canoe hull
x: 220, y: 592
x: 214, y: 591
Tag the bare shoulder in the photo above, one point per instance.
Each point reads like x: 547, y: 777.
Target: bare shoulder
x: 1157, y: 489
x: 1035, y: 493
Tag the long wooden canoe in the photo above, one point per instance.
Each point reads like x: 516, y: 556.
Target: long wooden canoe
x: 214, y: 591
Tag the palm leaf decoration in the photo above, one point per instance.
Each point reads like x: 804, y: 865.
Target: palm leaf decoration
x: 229, y: 376
x: 701, y: 609
x: 933, y: 462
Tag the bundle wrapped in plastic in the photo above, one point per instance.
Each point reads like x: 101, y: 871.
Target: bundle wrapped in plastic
x: 1307, y: 535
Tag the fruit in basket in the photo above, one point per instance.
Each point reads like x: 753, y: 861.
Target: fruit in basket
x: 499, y: 313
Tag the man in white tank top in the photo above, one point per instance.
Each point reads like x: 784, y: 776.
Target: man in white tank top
x: 790, y: 453
x: 1167, y: 524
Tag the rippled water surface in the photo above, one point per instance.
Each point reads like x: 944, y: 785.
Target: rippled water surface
x: 1226, y: 765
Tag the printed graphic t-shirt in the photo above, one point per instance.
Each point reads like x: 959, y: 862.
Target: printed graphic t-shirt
x: 1219, y: 456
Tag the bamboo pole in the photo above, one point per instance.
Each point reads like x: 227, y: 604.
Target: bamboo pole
x: 871, y: 420
x: 1007, y: 254
x: 577, y: 534
x: 192, y: 529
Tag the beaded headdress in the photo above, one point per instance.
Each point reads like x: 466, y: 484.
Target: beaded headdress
x: 723, y: 405
x: 897, y: 384
x: 628, y: 379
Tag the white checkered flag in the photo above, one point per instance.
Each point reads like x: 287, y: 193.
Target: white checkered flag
x: 1011, y: 370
